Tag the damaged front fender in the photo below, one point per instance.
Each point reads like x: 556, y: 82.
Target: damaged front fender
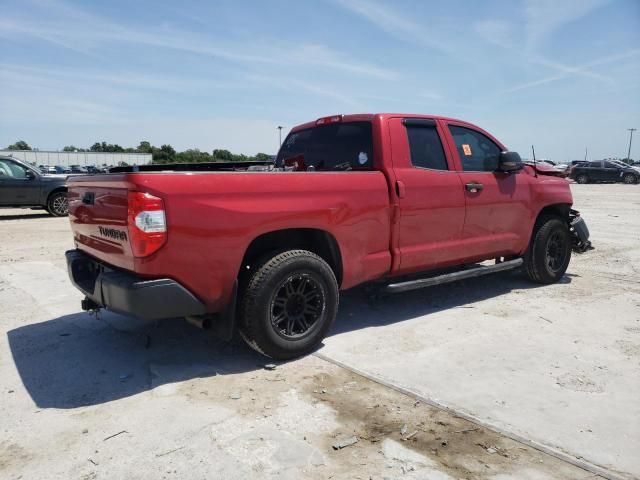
x: 579, y: 232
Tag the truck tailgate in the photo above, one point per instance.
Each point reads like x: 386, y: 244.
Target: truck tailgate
x: 98, y: 209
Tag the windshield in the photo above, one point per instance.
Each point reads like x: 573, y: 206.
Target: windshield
x: 337, y: 146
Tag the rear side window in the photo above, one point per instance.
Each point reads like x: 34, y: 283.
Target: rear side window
x: 477, y: 152
x: 333, y: 147
x: 426, y: 148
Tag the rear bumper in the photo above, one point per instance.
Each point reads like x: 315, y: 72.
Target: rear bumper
x: 125, y: 293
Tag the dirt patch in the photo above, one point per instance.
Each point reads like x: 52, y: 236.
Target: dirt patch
x: 12, y: 455
x: 376, y: 414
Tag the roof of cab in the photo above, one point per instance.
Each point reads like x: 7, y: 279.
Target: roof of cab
x: 367, y: 117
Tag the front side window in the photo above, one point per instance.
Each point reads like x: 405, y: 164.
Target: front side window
x: 333, y: 147
x: 477, y: 152
x: 12, y: 169
x: 426, y: 148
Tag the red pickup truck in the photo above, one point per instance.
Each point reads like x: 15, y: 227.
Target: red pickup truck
x: 265, y: 248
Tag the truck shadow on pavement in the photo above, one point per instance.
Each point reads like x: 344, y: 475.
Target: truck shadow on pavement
x: 359, y: 309
x: 75, y: 361
x: 25, y: 216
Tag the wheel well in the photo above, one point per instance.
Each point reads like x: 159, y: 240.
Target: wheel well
x: 319, y: 242
x: 559, y: 210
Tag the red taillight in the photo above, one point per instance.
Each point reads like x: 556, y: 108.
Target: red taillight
x: 327, y: 120
x: 147, y: 223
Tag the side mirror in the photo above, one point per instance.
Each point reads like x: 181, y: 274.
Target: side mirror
x: 30, y: 175
x: 510, y: 162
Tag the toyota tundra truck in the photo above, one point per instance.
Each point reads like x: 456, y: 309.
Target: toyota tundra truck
x: 399, y: 201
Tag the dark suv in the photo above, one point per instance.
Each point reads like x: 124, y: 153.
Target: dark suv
x: 604, y: 171
x: 22, y: 185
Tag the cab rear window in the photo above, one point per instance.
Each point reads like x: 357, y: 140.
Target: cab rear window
x: 333, y: 147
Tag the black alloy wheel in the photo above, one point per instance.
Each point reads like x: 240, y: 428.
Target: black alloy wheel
x: 287, y: 303
x: 556, y: 251
x: 297, y: 305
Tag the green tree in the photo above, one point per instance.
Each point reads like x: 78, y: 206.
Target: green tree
x: 19, y: 145
x: 223, y: 155
x: 144, y: 147
x: 262, y: 157
x: 193, y: 155
x: 164, y: 154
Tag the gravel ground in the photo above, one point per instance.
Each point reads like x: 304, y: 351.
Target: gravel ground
x: 113, y: 398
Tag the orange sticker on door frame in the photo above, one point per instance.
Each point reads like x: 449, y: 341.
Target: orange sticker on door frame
x: 466, y: 149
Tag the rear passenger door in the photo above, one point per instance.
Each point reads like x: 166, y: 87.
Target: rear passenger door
x: 498, y: 214
x: 596, y: 171
x: 430, y: 196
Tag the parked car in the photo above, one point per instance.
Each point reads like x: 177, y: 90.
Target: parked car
x: 47, y: 169
x: 22, y: 185
x: 604, y: 171
x: 97, y: 169
x: 351, y: 199
x: 62, y: 170
x: 78, y: 169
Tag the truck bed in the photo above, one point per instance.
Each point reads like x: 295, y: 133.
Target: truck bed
x: 212, y: 212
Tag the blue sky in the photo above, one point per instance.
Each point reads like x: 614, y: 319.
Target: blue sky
x: 563, y: 75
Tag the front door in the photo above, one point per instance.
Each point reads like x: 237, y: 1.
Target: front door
x: 429, y: 194
x: 612, y: 172
x: 16, y: 188
x: 498, y: 217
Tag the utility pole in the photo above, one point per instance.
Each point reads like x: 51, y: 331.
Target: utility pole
x: 585, y: 154
x: 279, y: 127
x: 631, y: 130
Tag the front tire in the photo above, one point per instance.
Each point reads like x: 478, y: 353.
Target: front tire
x: 58, y: 205
x: 549, y: 250
x: 289, y: 304
x: 629, y: 178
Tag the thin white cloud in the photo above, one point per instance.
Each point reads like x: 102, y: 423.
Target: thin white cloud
x: 90, y: 32
x: 292, y: 84
x: 571, y: 70
x: 497, y: 32
x: 396, y: 24
x: 544, y: 17
x: 69, y: 78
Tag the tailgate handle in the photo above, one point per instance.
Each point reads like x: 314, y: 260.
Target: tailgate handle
x: 88, y: 198
x: 473, y: 187
x: 400, y: 190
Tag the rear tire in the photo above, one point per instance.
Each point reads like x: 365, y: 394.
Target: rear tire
x: 58, y: 205
x: 629, y: 178
x: 582, y: 179
x: 289, y: 304
x: 549, y: 250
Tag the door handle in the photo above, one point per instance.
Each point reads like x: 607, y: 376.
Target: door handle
x: 400, y: 190
x: 473, y: 187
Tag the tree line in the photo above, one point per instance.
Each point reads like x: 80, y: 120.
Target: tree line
x: 163, y: 154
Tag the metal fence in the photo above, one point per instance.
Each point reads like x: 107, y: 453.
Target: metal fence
x: 78, y: 158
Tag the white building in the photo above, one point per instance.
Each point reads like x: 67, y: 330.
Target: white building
x: 78, y: 158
